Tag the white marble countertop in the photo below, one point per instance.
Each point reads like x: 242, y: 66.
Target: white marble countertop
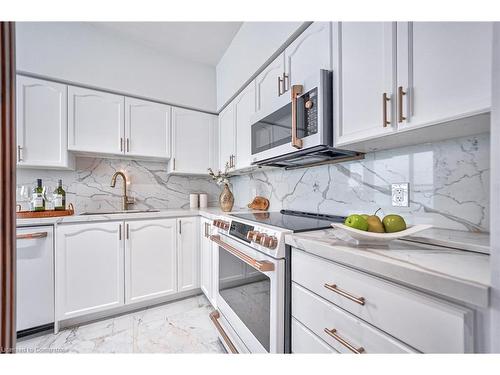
x: 456, y: 274
x: 472, y: 241
x: 210, y: 213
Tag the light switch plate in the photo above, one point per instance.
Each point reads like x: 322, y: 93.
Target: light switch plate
x: 401, y: 194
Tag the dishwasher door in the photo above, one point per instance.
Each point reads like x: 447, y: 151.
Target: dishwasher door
x: 35, y: 278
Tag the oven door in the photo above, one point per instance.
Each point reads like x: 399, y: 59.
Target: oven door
x: 272, y: 131
x: 251, y: 294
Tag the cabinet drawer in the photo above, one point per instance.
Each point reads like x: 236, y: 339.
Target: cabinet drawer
x: 306, y: 342
x: 319, y: 315
x: 424, y: 322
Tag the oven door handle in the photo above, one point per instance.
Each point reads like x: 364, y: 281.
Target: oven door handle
x: 296, y: 92
x: 260, y: 265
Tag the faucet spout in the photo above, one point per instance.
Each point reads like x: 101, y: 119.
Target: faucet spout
x: 126, y: 200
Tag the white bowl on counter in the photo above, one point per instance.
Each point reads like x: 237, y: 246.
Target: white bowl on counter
x: 371, y: 238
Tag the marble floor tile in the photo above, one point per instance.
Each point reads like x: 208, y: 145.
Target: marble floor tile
x: 177, y: 327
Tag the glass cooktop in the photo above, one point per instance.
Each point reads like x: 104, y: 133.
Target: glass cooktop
x: 295, y: 221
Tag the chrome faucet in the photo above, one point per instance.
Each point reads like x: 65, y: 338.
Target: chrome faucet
x: 126, y: 201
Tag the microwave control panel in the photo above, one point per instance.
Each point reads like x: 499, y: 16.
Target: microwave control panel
x: 309, y: 109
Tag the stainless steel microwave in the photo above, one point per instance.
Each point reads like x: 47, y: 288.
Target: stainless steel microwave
x: 299, y: 133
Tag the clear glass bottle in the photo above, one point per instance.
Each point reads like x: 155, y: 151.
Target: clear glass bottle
x: 59, y: 197
x: 37, y: 199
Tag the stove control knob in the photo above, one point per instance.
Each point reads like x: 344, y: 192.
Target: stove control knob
x: 254, y: 236
x: 270, y: 242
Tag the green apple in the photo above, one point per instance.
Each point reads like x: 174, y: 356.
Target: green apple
x: 394, y: 223
x: 357, y: 222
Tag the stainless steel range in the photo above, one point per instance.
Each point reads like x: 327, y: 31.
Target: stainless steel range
x: 254, y: 277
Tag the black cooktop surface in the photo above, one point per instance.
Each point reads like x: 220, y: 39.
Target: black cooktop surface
x: 295, y: 221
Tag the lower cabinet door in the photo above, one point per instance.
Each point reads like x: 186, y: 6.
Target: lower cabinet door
x: 150, y: 259
x: 206, y: 256
x: 188, y: 253
x: 89, y: 268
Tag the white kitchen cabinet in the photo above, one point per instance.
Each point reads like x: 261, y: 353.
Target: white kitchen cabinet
x: 227, y: 137
x: 95, y: 121
x: 208, y: 262
x: 244, y: 109
x: 235, y: 136
x: 445, y: 70
x: 193, y: 142
x: 188, y: 243
x: 89, y: 268
x: 270, y: 87
x: 364, y: 58
x: 433, y: 74
x: 42, y: 123
x: 147, y: 129
x: 310, y: 52
x: 150, y: 259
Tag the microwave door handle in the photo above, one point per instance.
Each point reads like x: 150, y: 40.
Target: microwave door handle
x: 296, y: 92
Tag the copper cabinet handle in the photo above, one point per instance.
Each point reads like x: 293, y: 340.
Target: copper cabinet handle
x: 260, y: 265
x: 333, y: 333
x: 343, y: 293
x: 296, y: 92
x: 31, y: 236
x: 385, y: 99
x: 401, y: 93
x: 214, y: 317
x: 19, y: 157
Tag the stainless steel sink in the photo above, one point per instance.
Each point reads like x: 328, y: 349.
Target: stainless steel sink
x: 117, y: 212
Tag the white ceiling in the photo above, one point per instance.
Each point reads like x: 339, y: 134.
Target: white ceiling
x: 202, y: 42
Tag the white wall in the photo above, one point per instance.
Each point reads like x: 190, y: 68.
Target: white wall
x: 83, y: 53
x: 251, y: 47
x: 495, y: 193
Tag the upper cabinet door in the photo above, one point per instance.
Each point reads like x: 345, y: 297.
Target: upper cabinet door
x: 95, y: 120
x: 193, y: 141
x: 270, y: 87
x: 227, y: 137
x: 445, y: 70
x: 244, y: 109
x: 364, y: 66
x: 42, y: 123
x: 147, y: 129
x: 150, y: 259
x: 309, y: 53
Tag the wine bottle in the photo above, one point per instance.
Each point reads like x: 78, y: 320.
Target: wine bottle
x: 37, y: 199
x: 59, y: 198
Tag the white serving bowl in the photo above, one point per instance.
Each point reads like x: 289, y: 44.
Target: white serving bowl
x: 363, y: 237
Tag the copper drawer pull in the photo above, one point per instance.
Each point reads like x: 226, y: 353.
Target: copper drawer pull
x: 343, y: 293
x: 260, y: 265
x: 333, y: 333
x: 401, y: 93
x: 214, y: 316
x: 385, y: 99
x: 31, y: 236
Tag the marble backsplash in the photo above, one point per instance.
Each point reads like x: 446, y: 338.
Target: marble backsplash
x: 449, y: 184
x: 88, y: 187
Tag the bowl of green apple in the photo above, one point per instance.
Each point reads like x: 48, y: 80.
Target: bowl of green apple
x: 370, y: 229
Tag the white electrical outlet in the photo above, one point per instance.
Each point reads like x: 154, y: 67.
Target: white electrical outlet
x: 400, y: 194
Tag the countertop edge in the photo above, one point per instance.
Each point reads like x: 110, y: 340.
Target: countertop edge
x: 431, y: 282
